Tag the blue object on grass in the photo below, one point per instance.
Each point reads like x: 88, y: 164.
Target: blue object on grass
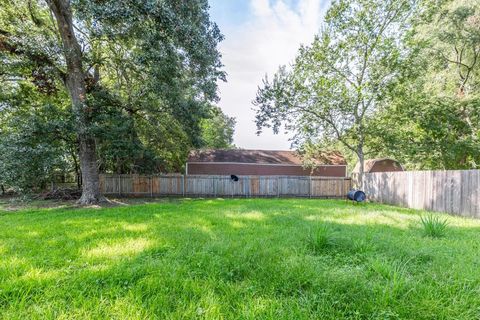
x: 356, y: 195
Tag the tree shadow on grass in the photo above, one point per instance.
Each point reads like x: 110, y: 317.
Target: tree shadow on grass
x: 219, y: 257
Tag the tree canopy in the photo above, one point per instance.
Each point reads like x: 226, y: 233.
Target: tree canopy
x: 384, y: 78
x: 128, y: 87
x: 431, y: 116
x: 336, y: 84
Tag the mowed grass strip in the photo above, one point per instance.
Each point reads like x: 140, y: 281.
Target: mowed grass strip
x: 237, y: 259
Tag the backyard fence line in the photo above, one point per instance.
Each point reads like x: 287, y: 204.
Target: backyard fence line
x: 456, y: 192
x: 223, y: 186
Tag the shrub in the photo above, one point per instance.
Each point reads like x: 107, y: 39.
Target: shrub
x: 320, y: 238
x: 434, y: 226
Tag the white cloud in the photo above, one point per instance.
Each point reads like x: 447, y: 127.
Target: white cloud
x: 270, y: 38
x: 260, y: 7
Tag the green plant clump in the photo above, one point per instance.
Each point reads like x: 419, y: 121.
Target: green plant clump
x: 434, y: 226
x: 320, y: 238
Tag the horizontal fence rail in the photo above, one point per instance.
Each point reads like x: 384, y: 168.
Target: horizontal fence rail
x: 456, y: 192
x: 224, y: 186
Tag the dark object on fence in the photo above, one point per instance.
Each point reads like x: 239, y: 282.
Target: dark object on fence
x: 234, y: 178
x: 356, y: 195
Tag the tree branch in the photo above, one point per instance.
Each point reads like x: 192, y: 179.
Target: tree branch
x: 7, y: 45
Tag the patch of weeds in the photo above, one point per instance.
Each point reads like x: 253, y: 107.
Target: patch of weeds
x: 386, y: 315
x: 21, y: 200
x: 434, y: 226
x: 362, y: 246
x: 156, y: 253
x: 421, y: 257
x: 394, y: 275
x: 389, y: 270
x: 321, y: 238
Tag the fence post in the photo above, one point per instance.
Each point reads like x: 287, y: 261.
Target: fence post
x: 214, y: 187
x: 278, y: 187
x: 151, y: 187
x: 310, y: 188
x: 183, y: 185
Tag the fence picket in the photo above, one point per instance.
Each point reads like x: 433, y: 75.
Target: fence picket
x: 456, y: 191
x: 201, y: 185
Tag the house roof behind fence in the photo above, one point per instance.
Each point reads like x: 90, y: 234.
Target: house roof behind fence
x: 369, y: 163
x: 262, y: 157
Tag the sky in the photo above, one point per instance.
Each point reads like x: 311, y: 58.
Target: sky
x: 260, y: 35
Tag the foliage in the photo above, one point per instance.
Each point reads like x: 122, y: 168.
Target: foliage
x: 217, y: 130
x: 427, y: 134
x: 433, y: 225
x: 337, y: 83
x: 37, y: 140
x: 234, y: 259
x: 431, y: 115
x: 150, y: 70
x: 414, y: 99
x: 449, y: 33
x: 320, y: 238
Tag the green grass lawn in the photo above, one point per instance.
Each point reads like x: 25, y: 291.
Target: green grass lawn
x: 236, y: 259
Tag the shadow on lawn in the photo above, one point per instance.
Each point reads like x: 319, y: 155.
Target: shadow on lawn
x: 83, y: 226
x: 163, y: 257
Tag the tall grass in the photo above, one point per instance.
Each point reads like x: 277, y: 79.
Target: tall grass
x: 434, y: 226
x: 320, y: 238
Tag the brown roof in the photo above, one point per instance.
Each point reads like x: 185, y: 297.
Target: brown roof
x: 261, y: 156
x: 369, y: 163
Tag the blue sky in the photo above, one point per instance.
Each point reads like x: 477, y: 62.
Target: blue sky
x: 260, y: 35
x: 229, y: 12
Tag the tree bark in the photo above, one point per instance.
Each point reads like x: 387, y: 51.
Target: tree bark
x: 76, y: 86
x: 361, y: 161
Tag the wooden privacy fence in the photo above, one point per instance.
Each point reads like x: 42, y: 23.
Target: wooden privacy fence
x: 456, y: 192
x: 224, y: 186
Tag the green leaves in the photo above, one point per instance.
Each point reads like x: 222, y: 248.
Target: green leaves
x: 151, y: 70
x: 430, y: 117
x: 433, y: 225
x: 217, y: 131
x: 36, y: 139
x: 452, y: 34
x: 385, y: 78
x: 337, y: 83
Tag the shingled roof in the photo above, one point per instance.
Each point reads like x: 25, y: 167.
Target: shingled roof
x: 369, y: 163
x: 261, y: 157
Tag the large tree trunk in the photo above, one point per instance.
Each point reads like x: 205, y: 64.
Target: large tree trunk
x: 90, y: 178
x: 76, y: 86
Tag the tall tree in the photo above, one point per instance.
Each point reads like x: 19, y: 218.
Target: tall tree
x: 336, y: 83
x: 77, y: 88
x: 147, y: 59
x: 449, y: 32
x: 430, y: 118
